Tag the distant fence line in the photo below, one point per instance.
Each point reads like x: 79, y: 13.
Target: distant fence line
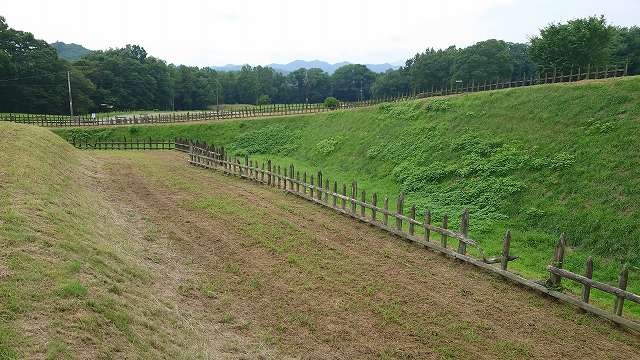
x: 579, y: 74
x: 124, y: 144
x: 318, y: 189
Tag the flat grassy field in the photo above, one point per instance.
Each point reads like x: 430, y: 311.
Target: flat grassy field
x: 136, y: 254
x: 538, y: 160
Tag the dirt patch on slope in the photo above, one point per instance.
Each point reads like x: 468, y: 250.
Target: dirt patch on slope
x: 287, y: 274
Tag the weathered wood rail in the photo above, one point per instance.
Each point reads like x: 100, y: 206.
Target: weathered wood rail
x: 124, y: 144
x: 318, y: 189
x: 544, y: 77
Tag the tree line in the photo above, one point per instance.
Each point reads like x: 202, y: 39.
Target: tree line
x: 579, y: 43
x: 34, y: 80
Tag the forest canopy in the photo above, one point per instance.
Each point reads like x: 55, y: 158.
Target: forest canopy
x: 34, y: 80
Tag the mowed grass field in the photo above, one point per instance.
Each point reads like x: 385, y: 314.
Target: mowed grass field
x: 138, y: 255
x: 539, y: 161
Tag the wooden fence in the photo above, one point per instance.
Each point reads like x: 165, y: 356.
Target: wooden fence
x: 318, y: 189
x: 124, y: 144
x: 291, y: 109
x: 165, y: 118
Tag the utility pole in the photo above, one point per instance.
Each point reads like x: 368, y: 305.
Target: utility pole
x: 218, y: 86
x: 70, y: 99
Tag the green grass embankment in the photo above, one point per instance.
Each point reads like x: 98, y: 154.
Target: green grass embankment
x: 539, y: 160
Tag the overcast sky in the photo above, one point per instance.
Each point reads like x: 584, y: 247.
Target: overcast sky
x: 204, y: 33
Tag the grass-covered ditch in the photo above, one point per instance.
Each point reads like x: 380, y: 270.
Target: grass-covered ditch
x: 539, y: 161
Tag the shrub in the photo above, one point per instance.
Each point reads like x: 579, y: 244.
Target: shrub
x: 331, y: 103
x: 326, y: 146
x: 263, y: 100
x: 438, y: 105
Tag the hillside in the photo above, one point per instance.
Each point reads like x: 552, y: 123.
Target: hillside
x: 70, y: 52
x: 539, y: 161
x: 131, y: 254
x: 77, y: 279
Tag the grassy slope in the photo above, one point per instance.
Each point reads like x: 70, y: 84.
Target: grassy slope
x: 539, y: 161
x: 71, y: 283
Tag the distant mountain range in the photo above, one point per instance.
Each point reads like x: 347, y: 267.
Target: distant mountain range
x: 71, y: 52
x: 297, y: 64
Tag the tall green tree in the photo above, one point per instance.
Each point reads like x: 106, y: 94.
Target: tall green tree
x: 247, y: 84
x: 34, y: 80
x: 626, y: 48
x: 579, y: 42
x: 432, y: 68
x: 352, y: 82
x: 392, y: 83
x: 484, y: 61
x: 521, y: 61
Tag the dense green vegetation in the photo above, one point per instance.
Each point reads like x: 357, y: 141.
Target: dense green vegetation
x: 33, y: 79
x: 539, y: 161
x: 558, y: 47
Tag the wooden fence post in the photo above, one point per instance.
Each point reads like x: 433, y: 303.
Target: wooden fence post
x: 374, y: 202
x: 622, y: 284
x: 399, y: 211
x: 354, y: 195
x: 588, y: 273
x: 427, y: 222
x: 626, y: 68
x: 269, y: 177
x: 311, y: 187
x: 571, y: 75
x: 319, y: 192
x: 579, y: 74
x: 506, y: 244
x: 326, y: 191
x: 335, y: 191
x: 279, y: 177
x: 385, y: 216
x: 412, y: 216
x: 558, y: 260
x: 464, y: 229
x: 298, y: 181
x: 292, y: 174
x: 304, y: 183
x: 285, y: 179
x: 445, y: 225
x: 344, y: 195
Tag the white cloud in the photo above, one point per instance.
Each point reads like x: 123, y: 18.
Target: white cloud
x: 200, y: 32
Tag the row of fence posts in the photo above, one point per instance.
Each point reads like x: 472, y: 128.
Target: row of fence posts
x: 88, y: 120
x: 319, y: 189
x: 557, y: 273
x: 216, y: 157
x: 287, y: 109
x: 124, y: 144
